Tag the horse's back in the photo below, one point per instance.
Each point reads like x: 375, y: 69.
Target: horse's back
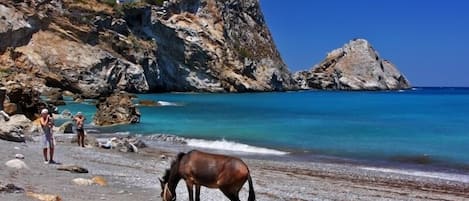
x: 213, y: 170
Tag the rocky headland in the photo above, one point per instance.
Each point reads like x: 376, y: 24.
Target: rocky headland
x: 355, y: 66
x: 93, y: 48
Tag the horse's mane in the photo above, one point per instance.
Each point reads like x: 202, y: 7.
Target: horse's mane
x: 173, y: 165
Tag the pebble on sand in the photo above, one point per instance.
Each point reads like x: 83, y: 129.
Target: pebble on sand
x: 44, y: 197
x: 19, y: 156
x: 82, y: 181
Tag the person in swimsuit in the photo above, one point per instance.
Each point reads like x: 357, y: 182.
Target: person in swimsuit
x: 80, y: 121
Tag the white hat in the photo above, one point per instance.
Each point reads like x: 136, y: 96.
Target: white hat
x: 79, y: 113
x: 44, y: 111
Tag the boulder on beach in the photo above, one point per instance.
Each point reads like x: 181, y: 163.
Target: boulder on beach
x: 116, y: 109
x: 15, y: 128
x: 16, y: 164
x: 124, y: 144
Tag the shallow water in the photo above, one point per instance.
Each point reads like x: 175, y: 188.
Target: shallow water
x: 422, y: 126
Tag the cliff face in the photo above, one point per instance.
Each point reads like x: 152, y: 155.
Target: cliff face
x: 93, y: 49
x: 356, y: 66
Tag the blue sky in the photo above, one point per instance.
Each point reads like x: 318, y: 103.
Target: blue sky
x: 427, y: 40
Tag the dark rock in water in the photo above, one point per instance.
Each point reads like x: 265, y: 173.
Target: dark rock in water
x: 148, y: 103
x: 11, y: 188
x: 66, y: 127
x: 356, y: 66
x: 116, y: 109
x: 73, y: 168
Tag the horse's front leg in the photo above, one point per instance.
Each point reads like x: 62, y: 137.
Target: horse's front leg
x: 190, y: 190
x: 197, y: 192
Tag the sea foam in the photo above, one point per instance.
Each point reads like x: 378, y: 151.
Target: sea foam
x: 165, y: 103
x: 232, y: 146
x: 435, y: 175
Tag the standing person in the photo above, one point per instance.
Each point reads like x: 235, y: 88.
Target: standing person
x: 47, y: 123
x: 80, y: 121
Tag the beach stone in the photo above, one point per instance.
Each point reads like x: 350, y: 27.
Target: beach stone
x: 73, y: 168
x: 99, y: 180
x: 82, y: 182
x: 116, y: 109
x: 19, y: 156
x: 44, y: 197
x: 16, y: 164
x: 11, y: 188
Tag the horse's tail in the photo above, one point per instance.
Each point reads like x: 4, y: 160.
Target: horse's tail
x: 252, y: 195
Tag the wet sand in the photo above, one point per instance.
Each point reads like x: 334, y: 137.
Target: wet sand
x: 134, y: 176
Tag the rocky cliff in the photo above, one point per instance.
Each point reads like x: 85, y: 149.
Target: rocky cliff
x: 356, y: 66
x: 92, y: 48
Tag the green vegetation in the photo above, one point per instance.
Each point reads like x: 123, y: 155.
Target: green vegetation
x: 4, y: 72
x: 244, y: 53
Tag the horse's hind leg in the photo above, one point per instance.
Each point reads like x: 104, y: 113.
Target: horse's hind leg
x: 197, y: 192
x: 190, y: 190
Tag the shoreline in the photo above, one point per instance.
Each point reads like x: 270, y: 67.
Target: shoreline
x: 134, y: 176
x: 408, y: 164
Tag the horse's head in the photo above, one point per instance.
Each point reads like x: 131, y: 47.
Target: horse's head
x: 166, y: 193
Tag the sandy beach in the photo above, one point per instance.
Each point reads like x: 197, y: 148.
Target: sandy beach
x: 134, y: 176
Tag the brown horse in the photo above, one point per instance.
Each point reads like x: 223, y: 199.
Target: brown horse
x: 204, y: 169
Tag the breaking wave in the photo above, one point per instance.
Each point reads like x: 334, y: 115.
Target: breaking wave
x: 232, y: 146
x: 214, y: 144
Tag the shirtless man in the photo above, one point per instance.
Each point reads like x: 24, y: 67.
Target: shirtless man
x: 80, y: 121
x: 47, y: 123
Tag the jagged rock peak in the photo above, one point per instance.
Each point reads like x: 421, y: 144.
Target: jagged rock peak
x: 355, y: 66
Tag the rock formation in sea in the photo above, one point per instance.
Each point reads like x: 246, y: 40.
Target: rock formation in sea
x: 92, y: 48
x: 355, y: 66
x: 118, y: 108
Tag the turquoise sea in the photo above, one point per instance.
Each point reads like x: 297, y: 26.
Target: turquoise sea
x: 418, y: 126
